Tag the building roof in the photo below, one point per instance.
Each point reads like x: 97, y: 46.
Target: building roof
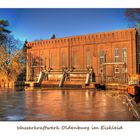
x: 84, y: 36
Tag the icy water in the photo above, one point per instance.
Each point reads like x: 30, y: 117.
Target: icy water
x: 43, y: 104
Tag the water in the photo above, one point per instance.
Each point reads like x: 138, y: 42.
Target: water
x: 43, y: 104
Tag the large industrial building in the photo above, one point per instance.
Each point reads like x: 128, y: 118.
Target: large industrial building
x: 108, y: 56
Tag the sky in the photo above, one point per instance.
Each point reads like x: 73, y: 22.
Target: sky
x: 34, y: 24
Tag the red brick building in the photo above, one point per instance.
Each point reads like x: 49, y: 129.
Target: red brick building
x: 112, y: 56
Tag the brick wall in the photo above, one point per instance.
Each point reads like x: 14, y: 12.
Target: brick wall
x: 84, y: 50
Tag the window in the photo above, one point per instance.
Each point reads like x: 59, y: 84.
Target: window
x: 124, y: 70
x: 102, y: 56
x: 63, y: 59
x: 116, y: 70
x: 43, y: 61
x: 74, y: 59
x: 52, y: 59
x: 116, y: 55
x: 124, y: 56
x: 34, y: 61
x: 88, y: 57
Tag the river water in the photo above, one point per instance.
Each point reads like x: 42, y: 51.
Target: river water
x: 43, y: 104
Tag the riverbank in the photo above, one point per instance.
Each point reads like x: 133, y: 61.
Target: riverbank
x: 51, y: 85
x: 11, y: 84
x: 116, y: 86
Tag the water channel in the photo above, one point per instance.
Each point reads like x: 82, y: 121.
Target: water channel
x: 44, y: 104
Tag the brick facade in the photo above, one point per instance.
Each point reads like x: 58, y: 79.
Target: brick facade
x: 112, y: 55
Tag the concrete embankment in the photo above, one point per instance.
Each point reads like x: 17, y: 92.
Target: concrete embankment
x: 108, y: 86
x: 116, y: 86
x: 12, y: 84
x: 7, y: 84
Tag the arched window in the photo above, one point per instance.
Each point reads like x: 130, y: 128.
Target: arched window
x: 43, y: 60
x: 63, y: 59
x: 34, y: 61
x: 124, y: 56
x: 116, y: 54
x: 102, y: 56
x: 74, y: 58
x: 52, y: 60
x: 88, y: 57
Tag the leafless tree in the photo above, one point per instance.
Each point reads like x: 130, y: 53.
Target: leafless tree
x: 12, y: 57
x: 133, y: 15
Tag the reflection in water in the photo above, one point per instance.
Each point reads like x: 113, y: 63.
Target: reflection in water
x: 43, y: 104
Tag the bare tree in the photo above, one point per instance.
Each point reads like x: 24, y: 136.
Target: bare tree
x: 133, y: 15
x: 3, y: 30
x: 12, y: 57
